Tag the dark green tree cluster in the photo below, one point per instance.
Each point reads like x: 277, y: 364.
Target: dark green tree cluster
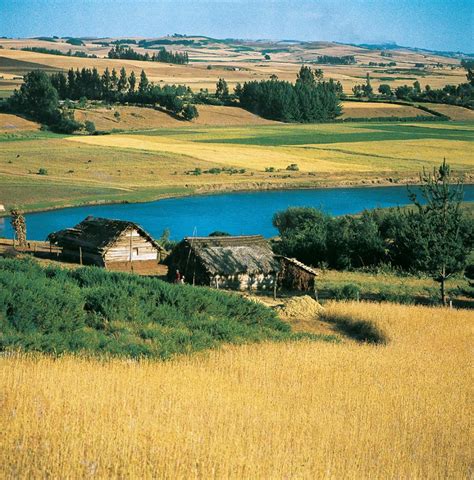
x: 77, y: 42
x: 53, y: 51
x: 462, y: 94
x: 364, y: 90
x: 124, y: 52
x: 164, y: 41
x: 113, y: 86
x: 39, y: 100
x: 334, y: 60
x: 310, y: 99
x: 434, y: 237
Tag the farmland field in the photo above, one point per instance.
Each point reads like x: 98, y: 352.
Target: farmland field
x: 143, y: 165
x: 293, y: 410
x: 211, y: 59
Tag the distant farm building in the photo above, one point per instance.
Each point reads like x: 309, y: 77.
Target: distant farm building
x: 240, y: 263
x: 115, y: 244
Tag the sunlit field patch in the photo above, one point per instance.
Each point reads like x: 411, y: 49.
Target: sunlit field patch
x: 305, y: 410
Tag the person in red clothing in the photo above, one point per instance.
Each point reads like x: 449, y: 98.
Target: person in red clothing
x: 177, y: 278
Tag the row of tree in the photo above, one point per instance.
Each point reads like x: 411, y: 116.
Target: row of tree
x: 124, y: 52
x: 53, y: 51
x: 122, y: 88
x: 433, y: 237
x: 310, y: 99
x: 39, y: 96
x: 333, y: 60
x: 462, y: 94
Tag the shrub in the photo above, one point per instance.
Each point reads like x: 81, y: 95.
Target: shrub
x: 90, y: 127
x: 90, y: 309
x: 42, y: 171
x: 349, y: 291
x: 293, y: 167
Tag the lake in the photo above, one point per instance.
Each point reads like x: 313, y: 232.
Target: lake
x: 236, y: 213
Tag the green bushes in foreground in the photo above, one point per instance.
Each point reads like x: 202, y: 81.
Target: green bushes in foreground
x: 91, y: 310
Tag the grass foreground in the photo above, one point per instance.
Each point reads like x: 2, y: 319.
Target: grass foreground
x: 90, y: 310
x: 270, y: 410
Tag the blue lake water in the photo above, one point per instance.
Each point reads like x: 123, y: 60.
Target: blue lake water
x: 236, y: 213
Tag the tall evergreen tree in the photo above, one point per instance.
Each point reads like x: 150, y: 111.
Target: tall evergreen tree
x: 437, y: 236
x: 222, y: 89
x: 132, y: 81
x: 123, y: 81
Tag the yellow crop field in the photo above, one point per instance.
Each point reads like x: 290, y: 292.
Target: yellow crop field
x: 237, y: 64
x: 379, y: 110
x: 293, y: 410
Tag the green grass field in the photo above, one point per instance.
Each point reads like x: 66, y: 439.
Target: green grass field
x: 145, y: 165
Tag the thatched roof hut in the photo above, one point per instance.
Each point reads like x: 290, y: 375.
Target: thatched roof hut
x: 102, y: 241
x: 241, y: 262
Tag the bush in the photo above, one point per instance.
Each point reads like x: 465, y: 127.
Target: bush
x: 190, y: 112
x: 90, y: 127
x: 93, y: 310
x: 42, y: 171
x: 293, y: 167
x: 349, y: 291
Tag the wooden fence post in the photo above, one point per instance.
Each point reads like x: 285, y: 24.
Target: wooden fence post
x: 80, y: 255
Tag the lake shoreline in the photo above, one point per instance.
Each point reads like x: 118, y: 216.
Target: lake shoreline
x: 234, y: 188
x: 216, y: 190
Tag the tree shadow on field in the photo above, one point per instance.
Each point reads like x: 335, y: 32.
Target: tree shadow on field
x: 362, y: 331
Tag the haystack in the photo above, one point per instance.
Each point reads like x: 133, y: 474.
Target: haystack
x: 302, y: 308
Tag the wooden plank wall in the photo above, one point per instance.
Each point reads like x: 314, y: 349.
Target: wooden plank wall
x: 131, y: 241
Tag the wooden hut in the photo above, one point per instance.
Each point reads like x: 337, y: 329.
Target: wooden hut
x: 114, y: 244
x: 295, y: 275
x: 239, y: 263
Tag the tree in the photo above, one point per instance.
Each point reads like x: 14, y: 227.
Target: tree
x: 144, y: 83
x: 416, y: 87
x: 90, y: 127
x: 18, y: 223
x: 222, y: 89
x: 132, y: 81
x: 385, y: 89
x: 305, y: 76
x: 123, y: 81
x: 303, y: 234
x: 468, y: 65
x: 37, y: 97
x: 190, y: 112
x: 437, y: 234
x: 367, y: 88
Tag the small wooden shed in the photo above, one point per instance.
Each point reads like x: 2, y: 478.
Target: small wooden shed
x: 295, y: 275
x: 116, y: 244
x: 239, y: 263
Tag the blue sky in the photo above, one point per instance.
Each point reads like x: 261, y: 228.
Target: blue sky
x: 434, y: 24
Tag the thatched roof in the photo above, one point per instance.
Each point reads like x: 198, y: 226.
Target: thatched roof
x: 299, y: 264
x: 96, y: 234
x: 231, y: 255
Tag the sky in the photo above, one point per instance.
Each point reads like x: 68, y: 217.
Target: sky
x: 430, y: 24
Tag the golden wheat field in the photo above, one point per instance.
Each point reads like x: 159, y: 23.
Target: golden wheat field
x: 294, y: 410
